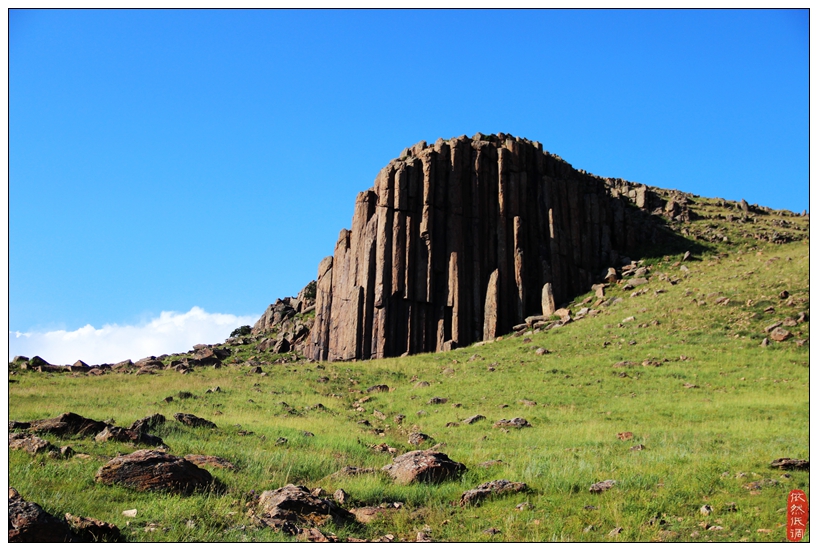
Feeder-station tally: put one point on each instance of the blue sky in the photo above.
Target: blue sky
(166, 160)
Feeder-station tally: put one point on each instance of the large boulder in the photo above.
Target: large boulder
(423, 466)
(293, 507)
(68, 424)
(29, 523)
(146, 470)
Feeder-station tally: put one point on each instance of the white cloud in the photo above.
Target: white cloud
(170, 332)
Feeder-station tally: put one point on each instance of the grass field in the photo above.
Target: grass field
(686, 376)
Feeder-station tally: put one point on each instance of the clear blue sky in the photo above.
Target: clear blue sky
(160, 160)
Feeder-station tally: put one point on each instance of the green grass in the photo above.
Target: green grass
(749, 405)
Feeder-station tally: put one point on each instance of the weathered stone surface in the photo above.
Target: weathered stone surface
(296, 506)
(495, 487)
(68, 424)
(32, 444)
(93, 530)
(192, 421)
(473, 419)
(146, 470)
(423, 466)
(29, 523)
(548, 306)
(459, 241)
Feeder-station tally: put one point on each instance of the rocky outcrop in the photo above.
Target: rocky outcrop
(288, 319)
(460, 241)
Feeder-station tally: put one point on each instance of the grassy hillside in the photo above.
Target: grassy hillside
(677, 362)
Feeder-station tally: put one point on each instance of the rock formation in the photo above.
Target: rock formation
(459, 241)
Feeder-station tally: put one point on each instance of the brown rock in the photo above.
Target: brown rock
(516, 423)
(780, 334)
(93, 530)
(495, 487)
(146, 470)
(473, 419)
(118, 434)
(423, 466)
(787, 464)
(68, 424)
(29, 523)
(295, 505)
(149, 423)
(599, 487)
(32, 444)
(418, 438)
(192, 421)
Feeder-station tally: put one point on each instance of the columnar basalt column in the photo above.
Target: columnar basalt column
(461, 240)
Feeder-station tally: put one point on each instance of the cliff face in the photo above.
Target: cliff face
(459, 241)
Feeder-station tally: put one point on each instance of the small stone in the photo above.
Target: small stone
(706, 510)
(130, 513)
(599, 487)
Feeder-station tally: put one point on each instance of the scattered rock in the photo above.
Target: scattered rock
(68, 424)
(29, 523)
(495, 487)
(779, 334)
(423, 466)
(146, 470)
(149, 423)
(489, 464)
(615, 532)
(516, 423)
(473, 419)
(787, 464)
(192, 421)
(314, 535)
(706, 510)
(492, 531)
(294, 506)
(625, 435)
(93, 530)
(541, 351)
(340, 496)
(438, 400)
(765, 342)
(599, 487)
(378, 388)
(118, 434)
(418, 438)
(637, 448)
(32, 444)
(421, 384)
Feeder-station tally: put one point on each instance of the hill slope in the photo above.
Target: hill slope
(673, 366)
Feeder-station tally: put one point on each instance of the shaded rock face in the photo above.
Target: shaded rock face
(153, 470)
(29, 523)
(424, 466)
(456, 242)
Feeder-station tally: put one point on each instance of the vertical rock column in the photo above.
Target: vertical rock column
(461, 240)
